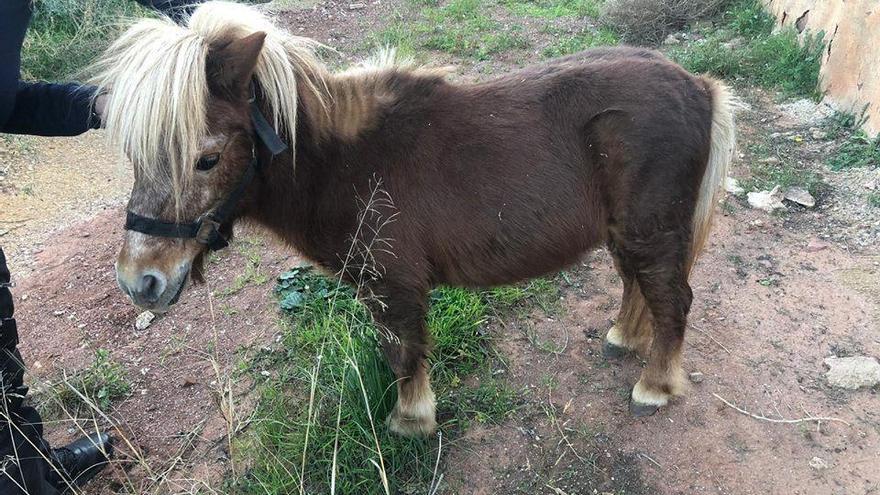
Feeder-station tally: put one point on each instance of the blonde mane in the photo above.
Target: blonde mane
(155, 78)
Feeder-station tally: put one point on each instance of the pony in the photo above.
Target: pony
(398, 179)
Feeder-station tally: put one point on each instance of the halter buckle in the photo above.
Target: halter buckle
(209, 230)
(7, 285)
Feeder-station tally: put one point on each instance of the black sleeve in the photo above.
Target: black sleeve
(47, 109)
(175, 9)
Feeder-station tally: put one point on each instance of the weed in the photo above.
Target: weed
(553, 9)
(98, 385)
(567, 44)
(759, 56)
(857, 151)
(331, 438)
(874, 199)
(252, 274)
(461, 27)
(785, 172)
(65, 36)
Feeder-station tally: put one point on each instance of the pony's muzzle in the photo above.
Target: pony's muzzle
(145, 289)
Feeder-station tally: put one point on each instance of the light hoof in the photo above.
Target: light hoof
(414, 426)
(645, 401)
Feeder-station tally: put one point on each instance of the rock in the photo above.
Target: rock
(696, 376)
(187, 382)
(871, 185)
(734, 43)
(766, 200)
(732, 186)
(818, 464)
(800, 196)
(144, 320)
(853, 372)
(356, 6)
(818, 134)
(671, 40)
(815, 245)
(770, 159)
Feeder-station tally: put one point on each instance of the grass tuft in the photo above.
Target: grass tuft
(857, 151)
(321, 412)
(747, 49)
(98, 385)
(67, 35)
(588, 38)
(554, 9)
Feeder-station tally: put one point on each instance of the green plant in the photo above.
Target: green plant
(759, 56)
(82, 392)
(552, 9)
(857, 151)
(67, 35)
(874, 199)
(567, 44)
(320, 413)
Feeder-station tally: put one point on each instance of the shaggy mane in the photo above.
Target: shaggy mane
(155, 77)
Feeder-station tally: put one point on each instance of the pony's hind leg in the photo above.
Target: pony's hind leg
(668, 295)
(400, 317)
(632, 330)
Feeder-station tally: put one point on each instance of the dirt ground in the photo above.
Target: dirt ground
(773, 296)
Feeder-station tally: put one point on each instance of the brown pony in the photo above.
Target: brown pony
(400, 180)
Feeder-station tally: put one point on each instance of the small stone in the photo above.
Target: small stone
(819, 134)
(766, 200)
(815, 245)
(871, 185)
(187, 382)
(58, 312)
(818, 464)
(852, 373)
(769, 159)
(696, 376)
(671, 40)
(800, 196)
(732, 186)
(144, 320)
(356, 6)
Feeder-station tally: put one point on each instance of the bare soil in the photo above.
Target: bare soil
(770, 303)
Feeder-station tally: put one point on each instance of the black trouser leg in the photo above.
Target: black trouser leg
(23, 453)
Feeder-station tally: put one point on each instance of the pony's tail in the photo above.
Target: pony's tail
(723, 147)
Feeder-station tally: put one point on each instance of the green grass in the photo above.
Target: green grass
(462, 27)
(320, 418)
(787, 172)
(874, 199)
(76, 395)
(777, 60)
(252, 274)
(566, 44)
(67, 35)
(857, 151)
(554, 9)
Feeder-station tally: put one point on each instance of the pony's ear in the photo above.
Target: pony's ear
(232, 66)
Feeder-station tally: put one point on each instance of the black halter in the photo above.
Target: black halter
(206, 229)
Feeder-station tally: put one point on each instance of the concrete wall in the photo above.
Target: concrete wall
(850, 73)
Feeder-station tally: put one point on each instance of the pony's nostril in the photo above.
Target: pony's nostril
(151, 288)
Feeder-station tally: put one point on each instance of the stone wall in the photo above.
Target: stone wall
(850, 74)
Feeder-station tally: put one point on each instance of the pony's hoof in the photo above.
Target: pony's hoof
(411, 426)
(642, 410)
(613, 351)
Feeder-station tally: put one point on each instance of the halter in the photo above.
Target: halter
(206, 229)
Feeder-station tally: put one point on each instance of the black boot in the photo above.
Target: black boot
(79, 462)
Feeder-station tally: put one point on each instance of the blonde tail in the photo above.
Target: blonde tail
(723, 147)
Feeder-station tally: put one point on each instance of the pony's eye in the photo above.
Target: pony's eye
(207, 162)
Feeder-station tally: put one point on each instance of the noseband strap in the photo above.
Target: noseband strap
(206, 229)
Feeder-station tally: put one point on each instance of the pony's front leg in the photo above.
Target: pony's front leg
(400, 317)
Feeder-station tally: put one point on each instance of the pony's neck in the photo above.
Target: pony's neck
(347, 103)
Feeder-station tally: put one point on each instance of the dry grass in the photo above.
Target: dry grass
(647, 22)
